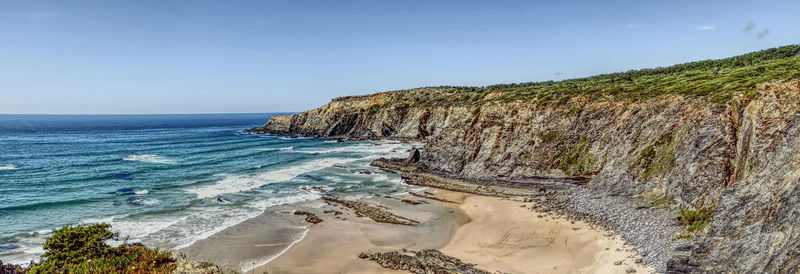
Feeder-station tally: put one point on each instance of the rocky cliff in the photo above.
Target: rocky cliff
(737, 159)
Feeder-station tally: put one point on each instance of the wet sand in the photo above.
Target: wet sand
(333, 246)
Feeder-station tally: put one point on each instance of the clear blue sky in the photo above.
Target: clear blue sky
(268, 56)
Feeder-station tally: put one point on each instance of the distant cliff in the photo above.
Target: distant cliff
(719, 136)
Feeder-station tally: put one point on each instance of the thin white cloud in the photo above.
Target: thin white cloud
(705, 27)
(634, 26)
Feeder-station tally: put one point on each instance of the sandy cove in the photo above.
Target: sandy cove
(495, 234)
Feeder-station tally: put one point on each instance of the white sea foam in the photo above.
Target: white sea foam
(141, 192)
(278, 149)
(139, 227)
(360, 196)
(147, 158)
(316, 189)
(9, 167)
(373, 148)
(323, 151)
(252, 264)
(295, 138)
(212, 221)
(107, 220)
(239, 183)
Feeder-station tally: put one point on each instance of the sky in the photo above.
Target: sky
(120, 57)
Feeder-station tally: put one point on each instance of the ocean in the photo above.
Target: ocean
(165, 180)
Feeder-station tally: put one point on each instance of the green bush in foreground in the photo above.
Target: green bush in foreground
(83, 249)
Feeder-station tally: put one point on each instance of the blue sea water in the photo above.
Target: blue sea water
(165, 180)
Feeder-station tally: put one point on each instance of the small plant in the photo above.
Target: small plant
(476, 110)
(682, 237)
(574, 158)
(550, 136)
(374, 109)
(696, 218)
(657, 159)
(654, 201)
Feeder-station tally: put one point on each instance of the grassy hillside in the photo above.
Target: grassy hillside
(714, 80)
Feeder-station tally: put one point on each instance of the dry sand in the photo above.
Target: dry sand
(496, 234)
(505, 237)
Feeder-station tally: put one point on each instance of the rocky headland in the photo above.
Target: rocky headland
(696, 165)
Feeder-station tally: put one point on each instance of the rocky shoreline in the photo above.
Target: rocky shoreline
(732, 166)
(12, 268)
(650, 230)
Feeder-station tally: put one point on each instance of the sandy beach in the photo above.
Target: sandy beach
(503, 236)
(333, 246)
(494, 233)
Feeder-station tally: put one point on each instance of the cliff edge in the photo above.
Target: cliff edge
(715, 142)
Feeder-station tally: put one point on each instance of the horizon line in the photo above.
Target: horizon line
(110, 114)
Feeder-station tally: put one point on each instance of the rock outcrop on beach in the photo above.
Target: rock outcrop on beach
(310, 217)
(184, 266)
(422, 262)
(362, 209)
(11, 268)
(736, 159)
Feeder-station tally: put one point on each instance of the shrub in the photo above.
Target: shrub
(128, 258)
(83, 249)
(71, 245)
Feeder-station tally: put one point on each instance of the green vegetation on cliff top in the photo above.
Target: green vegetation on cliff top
(714, 80)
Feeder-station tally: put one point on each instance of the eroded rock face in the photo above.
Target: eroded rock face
(382, 115)
(743, 156)
(756, 227)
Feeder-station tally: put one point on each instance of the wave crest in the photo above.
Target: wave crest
(278, 149)
(239, 183)
(9, 167)
(146, 158)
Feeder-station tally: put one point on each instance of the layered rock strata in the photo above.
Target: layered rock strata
(739, 157)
